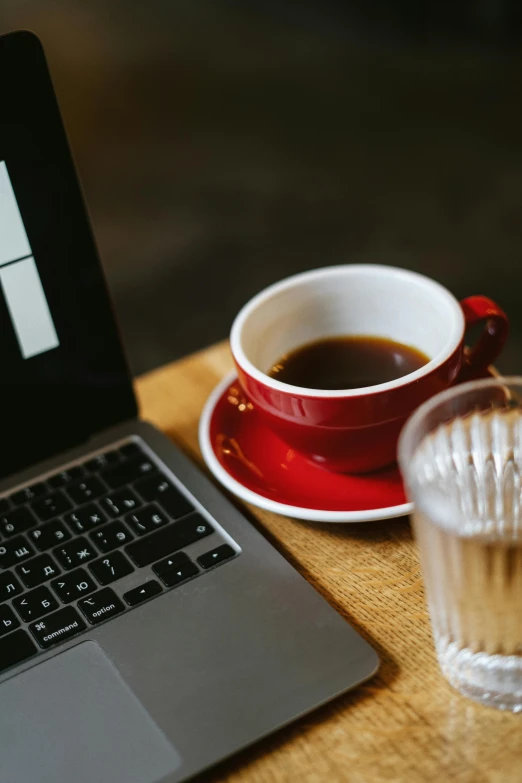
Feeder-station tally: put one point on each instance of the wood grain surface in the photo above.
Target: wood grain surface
(406, 724)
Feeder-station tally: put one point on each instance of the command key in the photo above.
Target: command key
(57, 627)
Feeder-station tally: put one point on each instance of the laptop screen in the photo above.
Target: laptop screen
(63, 375)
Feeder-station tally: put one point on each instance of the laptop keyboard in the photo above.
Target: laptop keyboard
(67, 542)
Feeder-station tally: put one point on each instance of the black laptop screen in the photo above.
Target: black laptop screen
(63, 375)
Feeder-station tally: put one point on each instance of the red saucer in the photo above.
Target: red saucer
(253, 463)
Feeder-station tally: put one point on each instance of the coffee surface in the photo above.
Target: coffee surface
(349, 362)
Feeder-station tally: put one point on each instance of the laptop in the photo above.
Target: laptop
(147, 629)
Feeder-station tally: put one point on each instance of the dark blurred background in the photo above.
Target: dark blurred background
(223, 145)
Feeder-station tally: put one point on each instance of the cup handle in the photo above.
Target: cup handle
(490, 343)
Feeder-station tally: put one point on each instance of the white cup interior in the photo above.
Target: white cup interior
(379, 301)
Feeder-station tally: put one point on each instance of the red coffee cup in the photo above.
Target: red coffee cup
(356, 430)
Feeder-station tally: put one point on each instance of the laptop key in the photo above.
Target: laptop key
(29, 493)
(66, 476)
(86, 518)
(100, 606)
(110, 568)
(176, 573)
(37, 570)
(176, 536)
(128, 471)
(215, 556)
(15, 648)
(131, 449)
(4, 505)
(51, 506)
(14, 551)
(35, 604)
(17, 521)
(111, 536)
(102, 461)
(57, 627)
(143, 592)
(88, 489)
(147, 519)
(9, 586)
(8, 620)
(120, 502)
(75, 553)
(158, 488)
(73, 585)
(51, 534)
(177, 559)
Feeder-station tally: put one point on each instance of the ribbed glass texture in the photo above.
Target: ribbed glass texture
(461, 455)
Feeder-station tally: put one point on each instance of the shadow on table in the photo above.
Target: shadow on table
(398, 528)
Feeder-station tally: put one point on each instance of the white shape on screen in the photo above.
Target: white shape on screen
(13, 239)
(21, 284)
(28, 308)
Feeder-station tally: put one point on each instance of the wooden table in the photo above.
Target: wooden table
(406, 724)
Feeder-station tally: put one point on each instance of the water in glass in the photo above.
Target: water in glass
(466, 478)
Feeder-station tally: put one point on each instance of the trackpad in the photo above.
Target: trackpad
(74, 718)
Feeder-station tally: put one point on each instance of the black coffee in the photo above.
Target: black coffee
(347, 363)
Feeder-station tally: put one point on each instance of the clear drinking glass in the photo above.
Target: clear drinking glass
(461, 458)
